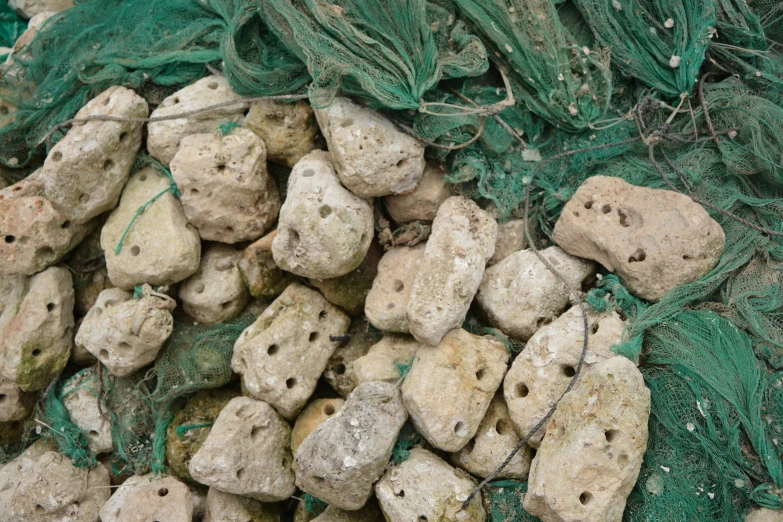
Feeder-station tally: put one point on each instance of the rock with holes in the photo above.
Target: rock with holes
(426, 488)
(340, 461)
(462, 240)
(159, 246)
(423, 202)
(164, 137)
(493, 442)
(247, 453)
(654, 239)
(520, 294)
(259, 271)
(450, 386)
(146, 497)
(369, 513)
(36, 329)
(284, 352)
(227, 193)
(349, 292)
(764, 515)
(225, 507)
(15, 404)
(80, 398)
(311, 417)
(324, 230)
(591, 455)
(370, 155)
(288, 129)
(541, 372)
(339, 371)
(511, 239)
(29, 8)
(385, 359)
(386, 306)
(124, 333)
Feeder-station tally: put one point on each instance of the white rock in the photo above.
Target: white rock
(369, 513)
(382, 362)
(288, 129)
(146, 497)
(80, 398)
(386, 305)
(421, 204)
(511, 239)
(30, 8)
(764, 515)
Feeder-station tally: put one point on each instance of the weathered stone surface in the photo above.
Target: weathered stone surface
(91, 277)
(225, 507)
(350, 291)
(161, 247)
(282, 354)
(36, 329)
(247, 453)
(30, 8)
(144, 498)
(421, 204)
(386, 306)
(519, 295)
(302, 514)
(425, 487)
(341, 460)
(764, 515)
(369, 513)
(259, 271)
(324, 231)
(591, 455)
(370, 155)
(80, 397)
(383, 360)
(511, 239)
(339, 370)
(311, 417)
(15, 404)
(654, 239)
(542, 371)
(31, 32)
(288, 129)
(79, 355)
(449, 388)
(462, 240)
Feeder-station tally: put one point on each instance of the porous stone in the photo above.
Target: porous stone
(426, 487)
(29, 8)
(591, 455)
(542, 371)
(339, 371)
(160, 247)
(288, 129)
(247, 453)
(311, 417)
(164, 137)
(15, 404)
(341, 460)
(370, 155)
(124, 333)
(386, 306)
(225, 507)
(259, 271)
(384, 359)
(227, 193)
(80, 398)
(462, 240)
(36, 329)
(369, 513)
(145, 497)
(511, 239)
(422, 203)
(449, 388)
(519, 295)
(350, 291)
(654, 239)
(764, 515)
(324, 231)
(284, 352)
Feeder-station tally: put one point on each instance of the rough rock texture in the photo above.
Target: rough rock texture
(247, 453)
(383, 360)
(79, 355)
(519, 295)
(30, 8)
(350, 291)
(80, 397)
(369, 513)
(341, 460)
(91, 277)
(592, 452)
(426, 488)
(288, 129)
(259, 271)
(15, 404)
(124, 333)
(339, 369)
(511, 238)
(764, 515)
(284, 352)
(36, 329)
(31, 32)
(462, 240)
(421, 204)
(324, 231)
(145, 498)
(654, 239)
(386, 306)
(302, 515)
(227, 193)
(370, 155)
(164, 137)
(225, 507)
(161, 247)
(311, 417)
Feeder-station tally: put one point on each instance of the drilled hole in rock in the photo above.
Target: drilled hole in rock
(104, 353)
(638, 256)
(66, 224)
(84, 198)
(313, 336)
(122, 345)
(293, 240)
(339, 369)
(307, 173)
(240, 473)
(135, 250)
(324, 211)
(57, 155)
(606, 209)
(398, 286)
(93, 433)
(273, 349)
(256, 432)
(400, 493)
(221, 167)
(3, 397)
(162, 492)
(36, 352)
(585, 498)
(143, 177)
(98, 311)
(10, 239)
(322, 314)
(226, 305)
(107, 100)
(329, 409)
(213, 85)
(568, 370)
(611, 435)
(533, 452)
(522, 389)
(624, 220)
(622, 460)
(423, 518)
(46, 253)
(480, 374)
(175, 101)
(401, 163)
(50, 307)
(290, 383)
(123, 136)
(686, 257)
(501, 427)
(39, 508)
(594, 328)
(461, 429)
(346, 123)
(108, 164)
(589, 204)
(194, 192)
(576, 214)
(199, 287)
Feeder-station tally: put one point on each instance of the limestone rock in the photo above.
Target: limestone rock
(350, 291)
(91, 277)
(764, 515)
(15, 404)
(511, 239)
(519, 295)
(370, 155)
(288, 129)
(160, 247)
(369, 513)
(591, 455)
(462, 240)
(259, 271)
(79, 355)
(386, 306)
(284, 352)
(383, 361)
(30, 8)
(144, 498)
(247, 453)
(339, 371)
(31, 32)
(341, 460)
(302, 515)
(324, 231)
(449, 388)
(421, 204)
(311, 417)
(654, 239)
(225, 507)
(80, 397)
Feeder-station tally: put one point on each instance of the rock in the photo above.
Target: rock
(247, 453)
(494, 441)
(36, 329)
(386, 306)
(259, 271)
(225, 507)
(383, 361)
(31, 32)
(341, 460)
(591, 455)
(449, 388)
(311, 417)
(303, 515)
(339, 370)
(284, 352)
(542, 371)
(511, 239)
(462, 240)
(7, 284)
(79, 355)
(227, 193)
(15, 404)
(764, 515)
(654, 239)
(29, 8)
(80, 398)
(160, 247)
(350, 291)
(369, 513)
(90, 275)
(324, 231)
(425, 487)
(164, 137)
(422, 203)
(144, 498)
(519, 295)
(288, 129)
(124, 333)
(11, 432)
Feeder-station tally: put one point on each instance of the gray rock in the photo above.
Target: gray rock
(288, 129)
(386, 305)
(145, 497)
(15, 404)
(339, 371)
(225, 507)
(259, 271)
(382, 362)
(422, 203)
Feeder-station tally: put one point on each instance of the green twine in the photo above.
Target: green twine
(407, 439)
(609, 294)
(70, 439)
(181, 430)
(405, 368)
(314, 505)
(226, 128)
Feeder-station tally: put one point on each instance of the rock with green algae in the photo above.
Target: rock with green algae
(339, 370)
(259, 271)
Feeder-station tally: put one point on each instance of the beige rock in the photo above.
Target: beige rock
(339, 370)
(30, 8)
(421, 204)
(80, 397)
(79, 355)
(225, 507)
(764, 515)
(7, 284)
(87, 296)
(302, 515)
(462, 240)
(311, 417)
(31, 32)
(387, 303)
(349, 292)
(654, 239)
(259, 271)
(91, 277)
(591, 455)
(511, 239)
(369, 513)
(145, 498)
(383, 361)
(15, 404)
(288, 129)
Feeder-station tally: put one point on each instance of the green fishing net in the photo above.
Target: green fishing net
(11, 27)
